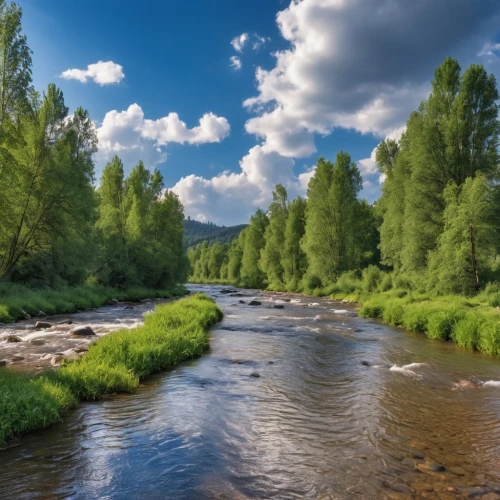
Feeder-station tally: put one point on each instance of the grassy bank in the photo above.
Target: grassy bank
(116, 363)
(471, 322)
(17, 300)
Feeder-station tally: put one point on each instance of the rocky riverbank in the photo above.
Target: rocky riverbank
(39, 343)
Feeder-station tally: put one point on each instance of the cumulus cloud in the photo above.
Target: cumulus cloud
(490, 49)
(102, 72)
(239, 42)
(259, 41)
(230, 198)
(133, 137)
(356, 65)
(235, 63)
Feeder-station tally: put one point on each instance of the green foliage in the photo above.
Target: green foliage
(251, 274)
(115, 363)
(196, 232)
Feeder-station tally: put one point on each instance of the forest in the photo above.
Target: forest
(424, 255)
(60, 226)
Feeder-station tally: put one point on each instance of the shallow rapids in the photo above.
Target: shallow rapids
(304, 401)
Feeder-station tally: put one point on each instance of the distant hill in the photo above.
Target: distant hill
(196, 232)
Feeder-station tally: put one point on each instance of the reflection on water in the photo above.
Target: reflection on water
(308, 401)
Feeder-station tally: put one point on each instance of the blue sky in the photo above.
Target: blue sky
(316, 77)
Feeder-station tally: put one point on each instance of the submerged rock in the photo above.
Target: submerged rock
(65, 322)
(255, 375)
(17, 358)
(129, 307)
(42, 324)
(241, 301)
(279, 306)
(37, 342)
(14, 338)
(254, 303)
(365, 363)
(82, 331)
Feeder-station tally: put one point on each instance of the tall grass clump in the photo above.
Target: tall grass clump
(116, 363)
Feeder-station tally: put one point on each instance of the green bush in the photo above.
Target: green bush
(415, 318)
(386, 282)
(370, 278)
(467, 331)
(393, 314)
(371, 310)
(489, 336)
(441, 324)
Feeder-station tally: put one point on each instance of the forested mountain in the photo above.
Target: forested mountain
(435, 228)
(196, 232)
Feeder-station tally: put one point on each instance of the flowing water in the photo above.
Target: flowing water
(307, 401)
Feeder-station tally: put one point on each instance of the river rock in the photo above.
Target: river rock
(14, 338)
(65, 322)
(241, 301)
(17, 358)
(254, 303)
(42, 324)
(279, 306)
(37, 342)
(227, 290)
(3, 363)
(365, 363)
(82, 331)
(466, 384)
(129, 307)
(255, 374)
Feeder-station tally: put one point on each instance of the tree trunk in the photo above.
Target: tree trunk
(474, 260)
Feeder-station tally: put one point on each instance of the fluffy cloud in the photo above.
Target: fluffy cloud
(240, 41)
(259, 41)
(230, 198)
(356, 65)
(235, 63)
(132, 137)
(102, 72)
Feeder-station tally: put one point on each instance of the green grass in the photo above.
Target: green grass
(116, 363)
(16, 300)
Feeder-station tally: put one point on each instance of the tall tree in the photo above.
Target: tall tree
(251, 273)
(275, 237)
(294, 260)
(329, 239)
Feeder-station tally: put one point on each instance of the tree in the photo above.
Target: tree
(275, 237)
(251, 273)
(294, 260)
(330, 226)
(467, 244)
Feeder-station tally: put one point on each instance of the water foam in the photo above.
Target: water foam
(407, 369)
(492, 383)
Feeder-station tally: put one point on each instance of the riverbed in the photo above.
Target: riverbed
(305, 400)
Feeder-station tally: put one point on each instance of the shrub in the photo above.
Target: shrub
(466, 332)
(385, 282)
(489, 336)
(440, 324)
(393, 314)
(415, 318)
(371, 310)
(370, 278)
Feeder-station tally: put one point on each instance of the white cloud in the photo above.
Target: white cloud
(490, 49)
(259, 41)
(102, 72)
(235, 62)
(132, 137)
(240, 41)
(356, 65)
(232, 197)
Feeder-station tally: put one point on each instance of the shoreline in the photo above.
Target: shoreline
(116, 363)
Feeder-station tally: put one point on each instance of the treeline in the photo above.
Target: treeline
(435, 227)
(56, 228)
(196, 232)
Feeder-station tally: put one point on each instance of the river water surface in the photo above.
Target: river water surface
(307, 401)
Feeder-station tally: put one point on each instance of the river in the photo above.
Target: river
(305, 401)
